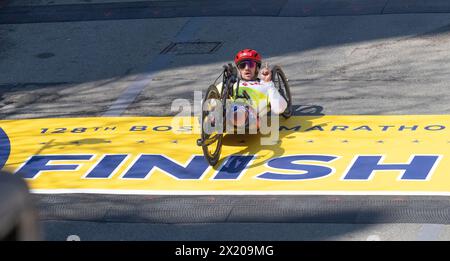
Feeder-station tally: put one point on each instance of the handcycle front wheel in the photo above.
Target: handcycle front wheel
(282, 85)
(212, 133)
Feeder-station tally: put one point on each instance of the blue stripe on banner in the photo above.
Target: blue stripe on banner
(5, 148)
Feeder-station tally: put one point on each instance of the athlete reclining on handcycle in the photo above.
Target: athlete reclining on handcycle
(255, 96)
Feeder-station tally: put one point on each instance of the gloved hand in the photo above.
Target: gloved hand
(266, 74)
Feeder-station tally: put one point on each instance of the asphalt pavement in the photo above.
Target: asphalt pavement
(107, 58)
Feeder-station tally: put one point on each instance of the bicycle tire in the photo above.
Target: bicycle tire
(282, 85)
(211, 156)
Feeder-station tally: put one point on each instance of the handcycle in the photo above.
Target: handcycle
(211, 138)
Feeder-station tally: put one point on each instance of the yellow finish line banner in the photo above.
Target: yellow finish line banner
(368, 155)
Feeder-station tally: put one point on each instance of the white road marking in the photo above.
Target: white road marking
(73, 238)
(161, 62)
(231, 192)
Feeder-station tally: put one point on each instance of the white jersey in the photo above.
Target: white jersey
(262, 95)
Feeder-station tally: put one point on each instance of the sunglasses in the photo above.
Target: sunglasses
(250, 64)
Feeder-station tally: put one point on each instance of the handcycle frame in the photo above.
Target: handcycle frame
(229, 78)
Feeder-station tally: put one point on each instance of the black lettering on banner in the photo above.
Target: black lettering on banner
(317, 127)
(59, 130)
(296, 128)
(162, 128)
(363, 127)
(339, 127)
(73, 130)
(433, 127)
(403, 127)
(138, 128)
(78, 130)
(386, 127)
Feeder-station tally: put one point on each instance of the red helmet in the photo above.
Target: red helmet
(247, 54)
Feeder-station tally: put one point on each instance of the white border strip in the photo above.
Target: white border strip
(237, 192)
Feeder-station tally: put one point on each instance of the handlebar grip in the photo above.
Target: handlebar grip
(234, 70)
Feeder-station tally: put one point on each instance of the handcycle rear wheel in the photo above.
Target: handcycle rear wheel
(211, 142)
(282, 85)
(212, 119)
